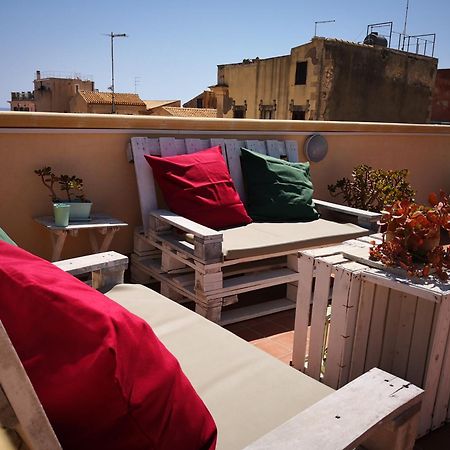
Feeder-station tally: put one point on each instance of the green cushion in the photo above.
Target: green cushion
(277, 190)
(6, 238)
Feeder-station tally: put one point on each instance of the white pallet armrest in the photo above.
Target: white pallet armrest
(376, 403)
(363, 215)
(189, 226)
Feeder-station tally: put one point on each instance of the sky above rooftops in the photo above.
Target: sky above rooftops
(174, 46)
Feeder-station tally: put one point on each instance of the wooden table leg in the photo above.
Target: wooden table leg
(108, 233)
(58, 238)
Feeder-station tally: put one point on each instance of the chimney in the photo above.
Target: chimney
(38, 74)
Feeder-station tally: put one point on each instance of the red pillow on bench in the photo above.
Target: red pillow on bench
(104, 378)
(199, 187)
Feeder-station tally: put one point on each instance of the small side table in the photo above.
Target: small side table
(101, 224)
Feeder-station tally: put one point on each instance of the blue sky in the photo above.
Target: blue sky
(174, 46)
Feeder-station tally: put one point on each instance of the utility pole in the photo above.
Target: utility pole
(321, 21)
(404, 27)
(112, 36)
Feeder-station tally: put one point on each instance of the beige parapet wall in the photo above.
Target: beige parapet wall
(93, 147)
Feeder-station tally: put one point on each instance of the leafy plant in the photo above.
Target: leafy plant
(71, 185)
(411, 234)
(373, 189)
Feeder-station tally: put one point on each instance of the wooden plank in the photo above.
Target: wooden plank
(195, 145)
(276, 149)
(350, 326)
(256, 146)
(435, 362)
(362, 329)
(171, 146)
(441, 407)
(337, 337)
(292, 151)
(376, 332)
(404, 334)
(318, 318)
(306, 269)
(34, 426)
(346, 418)
(233, 158)
(391, 329)
(422, 332)
(368, 216)
(144, 176)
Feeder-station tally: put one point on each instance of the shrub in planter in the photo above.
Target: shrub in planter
(373, 189)
(411, 237)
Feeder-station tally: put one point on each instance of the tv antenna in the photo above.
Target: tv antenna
(321, 21)
(137, 80)
(113, 36)
(404, 27)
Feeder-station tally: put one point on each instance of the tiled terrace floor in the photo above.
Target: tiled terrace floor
(274, 334)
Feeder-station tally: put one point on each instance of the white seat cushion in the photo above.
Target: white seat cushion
(247, 391)
(258, 239)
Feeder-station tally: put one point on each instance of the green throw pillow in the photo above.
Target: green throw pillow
(277, 190)
(6, 238)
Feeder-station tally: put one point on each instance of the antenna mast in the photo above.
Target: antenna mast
(404, 27)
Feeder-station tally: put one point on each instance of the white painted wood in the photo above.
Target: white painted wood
(391, 330)
(276, 149)
(299, 350)
(362, 329)
(421, 337)
(376, 332)
(195, 145)
(346, 418)
(144, 176)
(366, 215)
(171, 146)
(33, 427)
(256, 146)
(435, 362)
(233, 158)
(443, 393)
(292, 151)
(404, 334)
(318, 318)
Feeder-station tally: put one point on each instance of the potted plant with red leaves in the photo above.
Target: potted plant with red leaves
(411, 237)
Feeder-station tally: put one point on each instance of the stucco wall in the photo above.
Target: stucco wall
(94, 148)
(367, 83)
(441, 97)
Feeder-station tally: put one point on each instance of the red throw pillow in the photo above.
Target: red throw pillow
(104, 378)
(198, 186)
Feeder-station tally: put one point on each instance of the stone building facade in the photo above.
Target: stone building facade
(328, 79)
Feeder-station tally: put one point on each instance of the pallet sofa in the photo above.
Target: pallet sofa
(256, 401)
(213, 268)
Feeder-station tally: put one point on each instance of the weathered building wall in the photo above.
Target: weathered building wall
(375, 84)
(440, 110)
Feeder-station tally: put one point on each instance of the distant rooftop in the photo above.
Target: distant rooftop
(105, 98)
(190, 112)
(64, 75)
(150, 104)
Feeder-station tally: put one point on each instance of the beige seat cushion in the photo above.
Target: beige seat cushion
(247, 391)
(258, 239)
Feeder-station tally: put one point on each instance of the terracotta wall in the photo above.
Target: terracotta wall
(94, 148)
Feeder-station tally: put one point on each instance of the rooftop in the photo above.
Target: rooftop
(105, 98)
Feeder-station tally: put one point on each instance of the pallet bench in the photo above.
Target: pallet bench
(363, 316)
(210, 267)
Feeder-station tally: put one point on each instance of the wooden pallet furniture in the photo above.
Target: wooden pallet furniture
(213, 268)
(259, 403)
(365, 316)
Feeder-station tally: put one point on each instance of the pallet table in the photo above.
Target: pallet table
(363, 317)
(102, 224)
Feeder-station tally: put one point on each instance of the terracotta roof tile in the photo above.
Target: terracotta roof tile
(190, 112)
(151, 104)
(105, 98)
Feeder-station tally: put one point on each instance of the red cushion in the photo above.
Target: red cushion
(198, 186)
(104, 378)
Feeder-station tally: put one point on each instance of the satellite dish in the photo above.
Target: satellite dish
(315, 148)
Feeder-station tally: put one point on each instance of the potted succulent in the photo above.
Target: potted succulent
(411, 237)
(72, 188)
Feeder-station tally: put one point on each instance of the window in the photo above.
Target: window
(267, 111)
(298, 115)
(300, 72)
(239, 114)
(199, 103)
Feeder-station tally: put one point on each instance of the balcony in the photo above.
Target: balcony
(94, 147)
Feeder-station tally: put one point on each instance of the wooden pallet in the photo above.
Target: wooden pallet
(375, 318)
